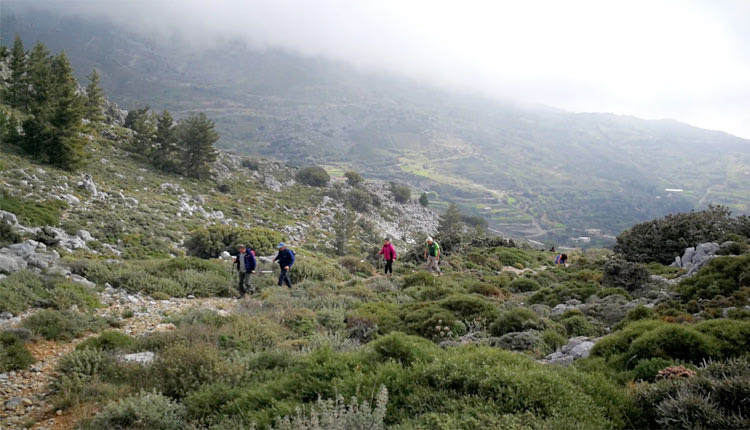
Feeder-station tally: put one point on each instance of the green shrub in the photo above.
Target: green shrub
(33, 212)
(430, 320)
(68, 294)
(516, 320)
(524, 284)
(419, 278)
(301, 321)
(19, 291)
(401, 193)
(674, 342)
(647, 369)
(569, 290)
(385, 315)
(355, 266)
(180, 369)
(353, 178)
(663, 239)
(721, 276)
(62, 325)
(13, 353)
(108, 340)
(404, 349)
(715, 398)
(489, 290)
(204, 284)
(733, 336)
(314, 176)
(305, 269)
(578, 325)
(625, 274)
(211, 241)
(144, 411)
(469, 308)
(360, 200)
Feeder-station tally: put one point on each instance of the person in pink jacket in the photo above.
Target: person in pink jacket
(389, 253)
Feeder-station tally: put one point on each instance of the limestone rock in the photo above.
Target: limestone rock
(140, 357)
(577, 348)
(85, 235)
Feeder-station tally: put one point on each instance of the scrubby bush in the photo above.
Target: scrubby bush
(314, 176)
(385, 315)
(419, 278)
(62, 325)
(733, 336)
(250, 164)
(356, 266)
(721, 276)
(625, 274)
(144, 411)
(401, 193)
(430, 320)
(20, 290)
(578, 325)
(68, 294)
(663, 239)
(353, 178)
(211, 241)
(516, 320)
(404, 349)
(524, 284)
(180, 369)
(13, 353)
(108, 340)
(359, 199)
(315, 270)
(470, 308)
(715, 398)
(338, 415)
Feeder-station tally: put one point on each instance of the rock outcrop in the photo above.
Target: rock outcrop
(577, 348)
(696, 257)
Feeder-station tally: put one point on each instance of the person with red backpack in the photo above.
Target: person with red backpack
(245, 266)
(389, 254)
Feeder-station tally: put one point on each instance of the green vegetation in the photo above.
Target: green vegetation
(211, 241)
(13, 353)
(33, 213)
(63, 325)
(315, 176)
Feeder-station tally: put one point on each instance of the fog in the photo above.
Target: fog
(686, 60)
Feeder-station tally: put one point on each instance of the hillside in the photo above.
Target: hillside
(531, 171)
(109, 318)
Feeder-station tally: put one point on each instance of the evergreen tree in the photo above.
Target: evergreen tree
(145, 132)
(39, 78)
(450, 227)
(196, 137)
(94, 98)
(165, 143)
(343, 225)
(68, 143)
(15, 93)
(424, 200)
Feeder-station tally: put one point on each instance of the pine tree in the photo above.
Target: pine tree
(15, 93)
(165, 143)
(450, 227)
(94, 98)
(39, 78)
(424, 200)
(196, 137)
(68, 143)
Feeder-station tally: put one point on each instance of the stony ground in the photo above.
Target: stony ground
(24, 395)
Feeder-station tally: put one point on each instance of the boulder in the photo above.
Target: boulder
(575, 349)
(10, 262)
(140, 357)
(85, 235)
(81, 280)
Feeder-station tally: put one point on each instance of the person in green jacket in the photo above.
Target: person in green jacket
(432, 254)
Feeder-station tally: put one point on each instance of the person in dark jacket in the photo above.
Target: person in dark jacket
(245, 266)
(389, 254)
(285, 257)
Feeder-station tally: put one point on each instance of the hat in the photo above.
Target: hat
(241, 246)
(429, 238)
(281, 245)
(388, 239)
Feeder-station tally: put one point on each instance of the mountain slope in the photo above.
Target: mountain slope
(529, 170)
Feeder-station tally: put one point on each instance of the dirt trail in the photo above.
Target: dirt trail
(31, 386)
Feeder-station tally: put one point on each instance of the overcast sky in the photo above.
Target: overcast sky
(682, 59)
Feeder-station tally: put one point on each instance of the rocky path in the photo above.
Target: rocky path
(25, 396)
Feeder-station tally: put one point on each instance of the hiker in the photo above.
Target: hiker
(432, 254)
(561, 259)
(552, 249)
(245, 266)
(285, 257)
(389, 254)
